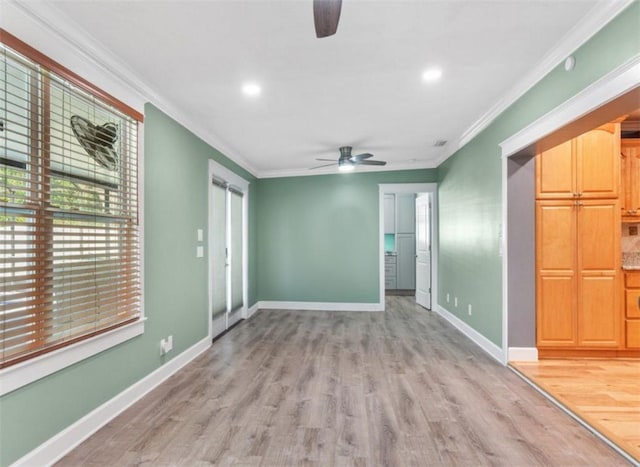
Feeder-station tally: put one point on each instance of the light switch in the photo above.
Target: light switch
(200, 237)
(199, 252)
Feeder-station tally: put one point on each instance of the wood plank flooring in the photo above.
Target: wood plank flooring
(603, 393)
(323, 388)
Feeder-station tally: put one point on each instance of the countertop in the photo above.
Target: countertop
(631, 261)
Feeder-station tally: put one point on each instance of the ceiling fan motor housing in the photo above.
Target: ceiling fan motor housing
(345, 152)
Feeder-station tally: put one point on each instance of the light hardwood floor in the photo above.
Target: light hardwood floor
(344, 388)
(603, 393)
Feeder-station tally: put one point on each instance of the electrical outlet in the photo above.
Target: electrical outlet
(469, 309)
(455, 301)
(166, 345)
(447, 298)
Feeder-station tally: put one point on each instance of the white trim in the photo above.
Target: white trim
(611, 86)
(77, 41)
(21, 374)
(523, 354)
(485, 344)
(599, 16)
(319, 306)
(431, 188)
(59, 445)
(252, 309)
(614, 84)
(219, 171)
(503, 245)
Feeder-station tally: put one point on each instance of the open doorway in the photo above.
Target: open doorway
(408, 241)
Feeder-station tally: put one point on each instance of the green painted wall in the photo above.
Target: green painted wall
(318, 235)
(175, 285)
(470, 181)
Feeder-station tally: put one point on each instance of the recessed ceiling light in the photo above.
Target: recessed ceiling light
(431, 75)
(251, 89)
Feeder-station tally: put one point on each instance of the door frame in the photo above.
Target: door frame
(621, 81)
(388, 188)
(219, 171)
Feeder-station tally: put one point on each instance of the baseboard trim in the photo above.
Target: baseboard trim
(523, 354)
(485, 344)
(320, 306)
(252, 309)
(61, 444)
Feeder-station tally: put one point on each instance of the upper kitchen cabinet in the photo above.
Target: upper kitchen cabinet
(406, 213)
(587, 166)
(630, 164)
(389, 213)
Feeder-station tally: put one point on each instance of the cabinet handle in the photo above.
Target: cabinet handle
(638, 301)
(575, 195)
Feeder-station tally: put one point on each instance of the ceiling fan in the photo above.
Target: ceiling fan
(326, 14)
(348, 162)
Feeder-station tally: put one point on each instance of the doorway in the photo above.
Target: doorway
(228, 208)
(408, 241)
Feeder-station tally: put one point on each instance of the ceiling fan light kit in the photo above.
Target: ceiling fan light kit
(346, 165)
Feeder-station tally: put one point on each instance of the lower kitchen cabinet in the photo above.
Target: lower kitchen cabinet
(632, 309)
(390, 272)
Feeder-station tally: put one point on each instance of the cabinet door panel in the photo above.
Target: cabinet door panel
(406, 213)
(599, 235)
(556, 318)
(632, 302)
(630, 150)
(633, 333)
(598, 314)
(555, 236)
(598, 162)
(406, 275)
(389, 214)
(555, 172)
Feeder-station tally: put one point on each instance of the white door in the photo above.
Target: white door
(423, 250)
(227, 258)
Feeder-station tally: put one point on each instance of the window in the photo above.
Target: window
(69, 254)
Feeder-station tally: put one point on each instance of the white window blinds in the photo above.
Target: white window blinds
(69, 256)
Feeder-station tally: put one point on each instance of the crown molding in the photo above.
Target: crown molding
(597, 18)
(54, 22)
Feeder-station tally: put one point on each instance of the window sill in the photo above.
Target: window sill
(21, 374)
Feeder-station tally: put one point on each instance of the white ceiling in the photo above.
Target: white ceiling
(361, 87)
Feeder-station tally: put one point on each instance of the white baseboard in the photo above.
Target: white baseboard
(523, 354)
(252, 309)
(320, 306)
(61, 444)
(485, 344)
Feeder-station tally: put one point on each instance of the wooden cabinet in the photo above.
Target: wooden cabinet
(630, 179)
(578, 259)
(585, 167)
(556, 273)
(632, 309)
(578, 251)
